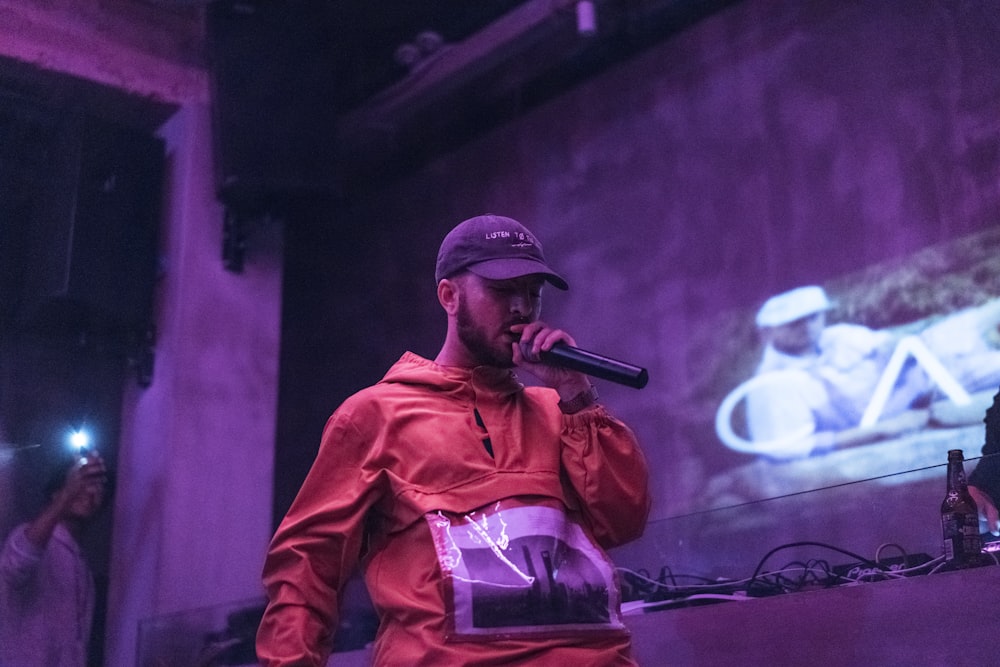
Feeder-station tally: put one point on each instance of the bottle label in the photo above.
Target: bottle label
(949, 550)
(961, 536)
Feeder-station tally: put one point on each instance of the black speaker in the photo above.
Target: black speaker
(90, 238)
(272, 99)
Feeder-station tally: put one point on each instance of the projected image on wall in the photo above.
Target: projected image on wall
(877, 372)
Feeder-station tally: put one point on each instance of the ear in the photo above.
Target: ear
(448, 295)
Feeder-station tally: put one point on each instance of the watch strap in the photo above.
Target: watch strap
(584, 399)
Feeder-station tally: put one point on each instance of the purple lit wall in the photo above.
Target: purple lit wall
(190, 516)
(191, 508)
(771, 145)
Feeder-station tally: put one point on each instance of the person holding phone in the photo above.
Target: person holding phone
(47, 593)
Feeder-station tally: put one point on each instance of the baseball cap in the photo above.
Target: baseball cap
(494, 247)
(792, 305)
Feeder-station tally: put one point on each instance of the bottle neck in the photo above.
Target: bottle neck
(956, 477)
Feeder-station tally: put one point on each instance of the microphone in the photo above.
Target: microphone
(597, 365)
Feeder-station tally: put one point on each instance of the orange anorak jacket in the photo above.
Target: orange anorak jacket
(404, 477)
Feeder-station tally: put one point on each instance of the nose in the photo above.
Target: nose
(521, 303)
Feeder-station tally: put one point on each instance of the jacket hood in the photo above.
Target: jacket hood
(413, 369)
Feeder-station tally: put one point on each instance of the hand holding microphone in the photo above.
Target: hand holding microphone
(564, 354)
(596, 365)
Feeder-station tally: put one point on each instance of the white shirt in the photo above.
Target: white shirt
(46, 602)
(824, 391)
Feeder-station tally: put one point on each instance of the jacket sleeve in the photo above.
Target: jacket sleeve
(315, 550)
(607, 470)
(986, 474)
(19, 558)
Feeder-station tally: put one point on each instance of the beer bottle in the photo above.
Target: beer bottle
(960, 518)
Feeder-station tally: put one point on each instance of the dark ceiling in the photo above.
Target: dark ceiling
(493, 59)
(312, 97)
(367, 33)
(334, 63)
(361, 37)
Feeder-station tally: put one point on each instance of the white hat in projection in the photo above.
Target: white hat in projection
(792, 305)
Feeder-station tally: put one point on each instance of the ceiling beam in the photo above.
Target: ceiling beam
(531, 53)
(451, 81)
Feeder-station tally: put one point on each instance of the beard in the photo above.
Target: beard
(482, 348)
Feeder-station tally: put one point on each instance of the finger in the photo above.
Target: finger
(527, 351)
(528, 330)
(518, 357)
(92, 470)
(93, 478)
(546, 339)
(528, 342)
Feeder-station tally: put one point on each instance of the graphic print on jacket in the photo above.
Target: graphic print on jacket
(520, 570)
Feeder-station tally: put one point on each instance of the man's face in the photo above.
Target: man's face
(800, 336)
(88, 501)
(486, 311)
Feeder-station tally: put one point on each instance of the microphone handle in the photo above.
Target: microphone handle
(596, 365)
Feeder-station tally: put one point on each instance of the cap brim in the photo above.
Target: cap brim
(777, 320)
(505, 269)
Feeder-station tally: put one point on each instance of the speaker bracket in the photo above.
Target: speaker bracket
(234, 241)
(142, 355)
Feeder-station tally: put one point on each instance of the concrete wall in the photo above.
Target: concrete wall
(192, 502)
(125, 46)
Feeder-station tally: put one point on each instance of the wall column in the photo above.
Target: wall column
(192, 511)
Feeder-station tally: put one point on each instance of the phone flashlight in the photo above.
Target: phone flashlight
(80, 440)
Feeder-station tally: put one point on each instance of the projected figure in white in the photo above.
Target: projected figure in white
(821, 387)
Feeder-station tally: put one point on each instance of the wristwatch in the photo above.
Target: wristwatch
(584, 399)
